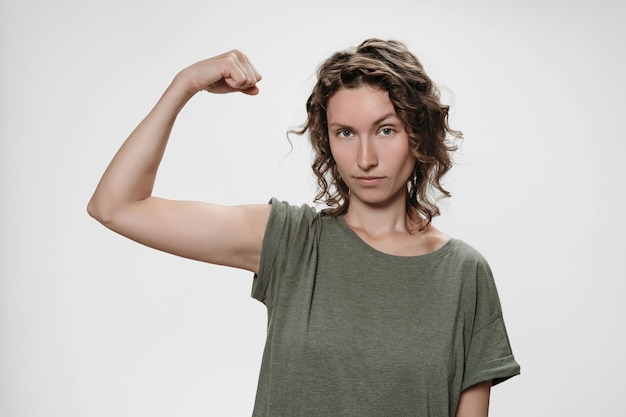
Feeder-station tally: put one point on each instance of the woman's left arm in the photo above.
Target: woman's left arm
(474, 401)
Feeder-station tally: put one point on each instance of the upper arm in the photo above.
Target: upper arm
(230, 236)
(474, 401)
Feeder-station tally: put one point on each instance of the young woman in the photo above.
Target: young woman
(372, 310)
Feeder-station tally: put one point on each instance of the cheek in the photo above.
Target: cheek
(409, 169)
(340, 166)
(337, 155)
(408, 163)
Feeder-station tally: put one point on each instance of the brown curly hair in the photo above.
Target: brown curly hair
(391, 66)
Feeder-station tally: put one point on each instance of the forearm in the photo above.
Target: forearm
(130, 176)
(474, 401)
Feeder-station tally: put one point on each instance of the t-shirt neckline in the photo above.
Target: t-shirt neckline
(352, 235)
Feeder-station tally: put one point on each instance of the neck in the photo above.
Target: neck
(379, 220)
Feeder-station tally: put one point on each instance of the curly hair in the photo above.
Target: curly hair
(388, 65)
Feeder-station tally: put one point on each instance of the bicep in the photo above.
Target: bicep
(474, 401)
(230, 236)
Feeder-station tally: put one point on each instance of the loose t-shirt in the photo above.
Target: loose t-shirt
(353, 331)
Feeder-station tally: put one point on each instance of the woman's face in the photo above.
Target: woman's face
(370, 145)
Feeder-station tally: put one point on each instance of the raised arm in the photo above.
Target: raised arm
(123, 200)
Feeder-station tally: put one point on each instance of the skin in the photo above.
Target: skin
(371, 148)
(123, 200)
(368, 142)
(474, 401)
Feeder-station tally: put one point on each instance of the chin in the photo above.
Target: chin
(378, 198)
(377, 201)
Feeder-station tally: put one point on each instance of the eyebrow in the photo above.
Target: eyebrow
(376, 122)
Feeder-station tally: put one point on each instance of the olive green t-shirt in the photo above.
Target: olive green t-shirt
(356, 332)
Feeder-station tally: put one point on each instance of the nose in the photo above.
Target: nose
(367, 157)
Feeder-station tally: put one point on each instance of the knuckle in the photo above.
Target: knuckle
(235, 54)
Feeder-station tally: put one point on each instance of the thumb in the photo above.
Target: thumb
(252, 91)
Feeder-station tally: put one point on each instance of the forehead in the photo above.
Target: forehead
(359, 103)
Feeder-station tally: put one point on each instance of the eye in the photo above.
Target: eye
(386, 131)
(344, 133)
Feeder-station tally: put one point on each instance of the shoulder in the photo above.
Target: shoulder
(289, 221)
(466, 251)
(478, 273)
(283, 211)
(459, 249)
(284, 206)
(431, 240)
(468, 262)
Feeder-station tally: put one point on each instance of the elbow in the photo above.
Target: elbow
(96, 210)
(110, 212)
(92, 209)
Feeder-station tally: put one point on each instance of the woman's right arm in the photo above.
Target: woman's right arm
(123, 199)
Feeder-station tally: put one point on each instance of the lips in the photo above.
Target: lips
(369, 181)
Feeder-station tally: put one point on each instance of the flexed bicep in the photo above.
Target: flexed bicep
(230, 236)
(123, 199)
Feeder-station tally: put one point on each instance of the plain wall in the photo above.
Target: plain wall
(92, 324)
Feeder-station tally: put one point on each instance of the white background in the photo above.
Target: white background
(94, 325)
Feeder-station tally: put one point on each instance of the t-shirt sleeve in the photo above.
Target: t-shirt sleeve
(489, 356)
(286, 241)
